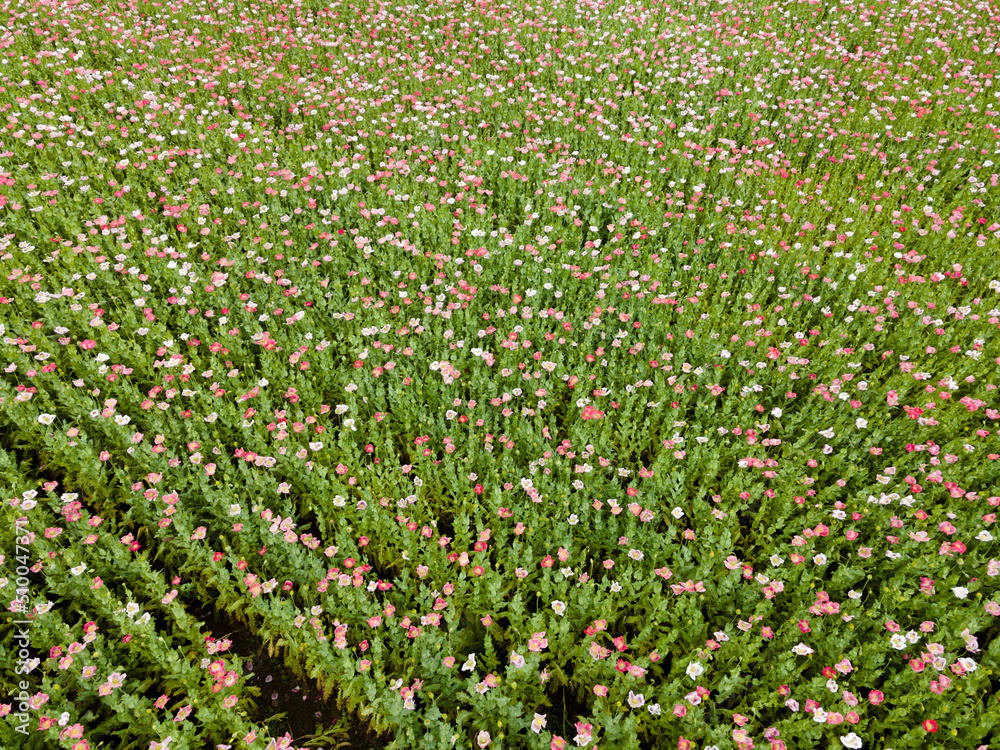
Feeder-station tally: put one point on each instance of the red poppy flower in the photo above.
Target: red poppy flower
(930, 725)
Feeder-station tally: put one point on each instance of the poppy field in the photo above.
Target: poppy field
(499, 375)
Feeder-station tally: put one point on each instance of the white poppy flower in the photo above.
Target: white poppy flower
(852, 741)
(694, 669)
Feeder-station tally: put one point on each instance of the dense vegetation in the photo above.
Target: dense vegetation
(499, 375)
